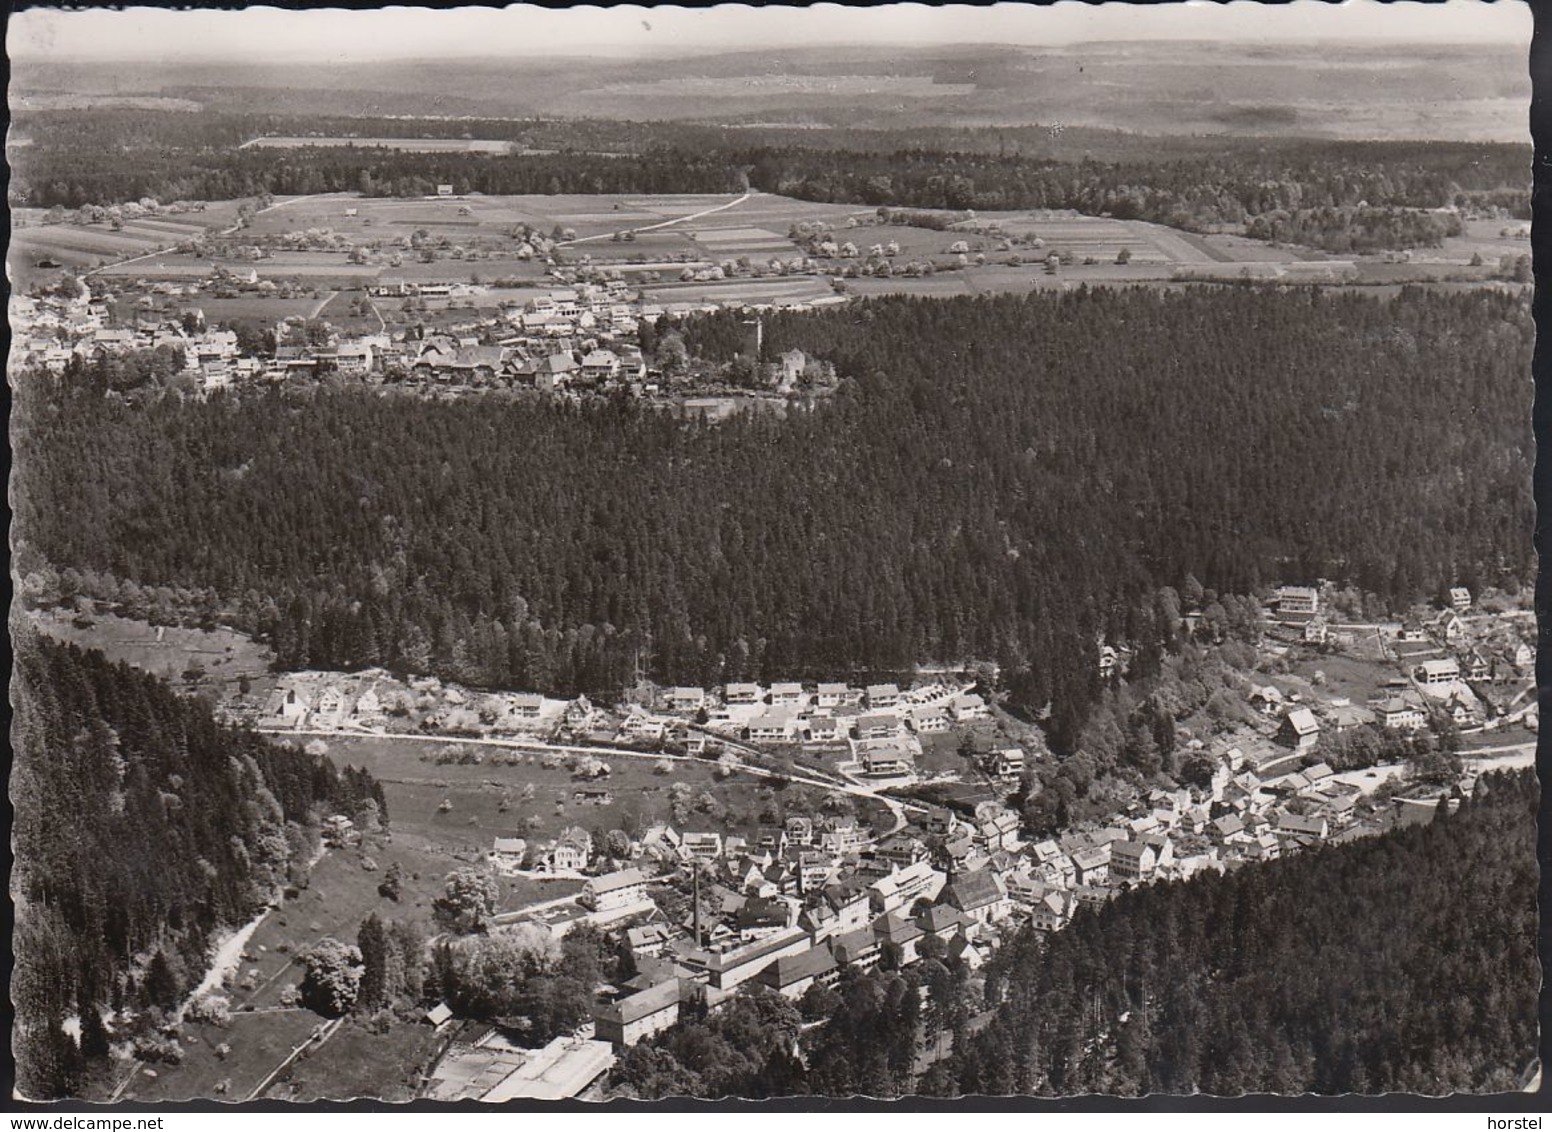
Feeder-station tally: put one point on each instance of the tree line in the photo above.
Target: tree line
(1364, 187)
(142, 827)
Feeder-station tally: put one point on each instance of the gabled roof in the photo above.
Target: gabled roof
(939, 918)
(790, 969)
(891, 928)
(1297, 823)
(1228, 825)
(1303, 721)
(643, 1004)
(856, 943)
(975, 890)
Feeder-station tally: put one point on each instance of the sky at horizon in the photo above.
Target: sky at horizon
(261, 34)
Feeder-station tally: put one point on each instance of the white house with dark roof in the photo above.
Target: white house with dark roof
(787, 694)
(639, 1016)
(835, 695)
(877, 725)
(685, 699)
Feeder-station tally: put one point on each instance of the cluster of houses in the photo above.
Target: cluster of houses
(1449, 667)
(880, 725)
(47, 331)
(575, 340)
(786, 910)
(878, 729)
(788, 906)
(375, 699)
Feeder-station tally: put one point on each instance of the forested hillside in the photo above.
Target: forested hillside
(1406, 963)
(999, 478)
(141, 827)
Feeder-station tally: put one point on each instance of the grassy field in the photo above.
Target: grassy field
(417, 787)
(88, 245)
(258, 308)
(407, 145)
(1357, 680)
(225, 654)
(259, 1042)
(359, 1063)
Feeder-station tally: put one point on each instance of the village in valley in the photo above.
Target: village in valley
(885, 826)
(748, 834)
(769, 560)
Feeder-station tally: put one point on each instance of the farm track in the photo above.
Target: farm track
(227, 231)
(663, 224)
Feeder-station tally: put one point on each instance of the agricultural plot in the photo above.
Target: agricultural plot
(258, 1043)
(259, 308)
(789, 290)
(406, 145)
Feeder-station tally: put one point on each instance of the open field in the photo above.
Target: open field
(794, 289)
(1343, 676)
(73, 245)
(225, 654)
(407, 145)
(257, 308)
(358, 1063)
(417, 787)
(258, 1042)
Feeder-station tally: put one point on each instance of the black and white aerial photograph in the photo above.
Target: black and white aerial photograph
(662, 554)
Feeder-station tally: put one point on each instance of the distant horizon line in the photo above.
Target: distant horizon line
(626, 51)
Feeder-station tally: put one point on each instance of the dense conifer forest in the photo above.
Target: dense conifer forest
(1005, 479)
(1406, 963)
(141, 827)
(1402, 963)
(1310, 185)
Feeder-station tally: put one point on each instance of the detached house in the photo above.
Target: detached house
(882, 696)
(685, 699)
(1299, 730)
(1400, 715)
(877, 726)
(835, 695)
